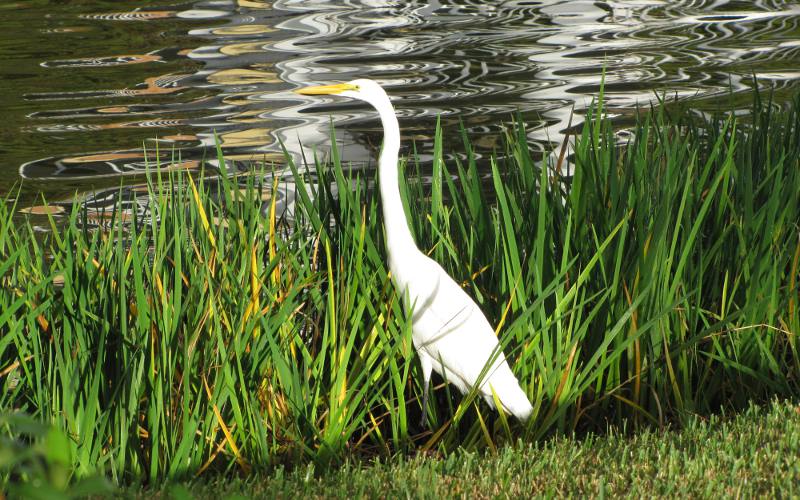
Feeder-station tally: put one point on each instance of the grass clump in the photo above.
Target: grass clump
(657, 282)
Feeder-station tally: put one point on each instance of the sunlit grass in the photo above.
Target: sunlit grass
(753, 454)
(658, 282)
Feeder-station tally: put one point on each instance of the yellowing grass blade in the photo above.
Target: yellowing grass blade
(255, 288)
(507, 308)
(436, 436)
(563, 382)
(228, 436)
(276, 274)
(500, 412)
(486, 434)
(202, 212)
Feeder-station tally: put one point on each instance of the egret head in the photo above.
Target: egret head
(362, 89)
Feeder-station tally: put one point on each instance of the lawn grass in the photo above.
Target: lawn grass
(750, 454)
(220, 337)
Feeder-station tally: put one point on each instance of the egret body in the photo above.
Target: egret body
(450, 333)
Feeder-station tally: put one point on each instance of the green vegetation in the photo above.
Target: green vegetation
(657, 283)
(754, 454)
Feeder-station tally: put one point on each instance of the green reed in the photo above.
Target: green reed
(656, 282)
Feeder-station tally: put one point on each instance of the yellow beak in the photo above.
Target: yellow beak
(327, 89)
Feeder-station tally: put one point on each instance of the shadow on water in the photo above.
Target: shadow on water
(90, 89)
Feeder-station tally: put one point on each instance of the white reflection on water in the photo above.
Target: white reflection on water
(471, 61)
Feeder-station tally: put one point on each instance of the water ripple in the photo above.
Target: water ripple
(223, 71)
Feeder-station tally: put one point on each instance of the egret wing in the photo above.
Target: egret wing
(452, 329)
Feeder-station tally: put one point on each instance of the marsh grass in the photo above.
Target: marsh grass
(657, 282)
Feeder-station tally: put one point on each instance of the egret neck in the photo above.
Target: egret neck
(398, 235)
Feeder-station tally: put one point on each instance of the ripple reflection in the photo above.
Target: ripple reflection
(225, 71)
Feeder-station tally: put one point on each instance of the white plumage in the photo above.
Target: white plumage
(450, 333)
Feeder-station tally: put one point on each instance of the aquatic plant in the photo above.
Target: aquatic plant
(657, 282)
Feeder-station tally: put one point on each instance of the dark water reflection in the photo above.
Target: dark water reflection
(86, 85)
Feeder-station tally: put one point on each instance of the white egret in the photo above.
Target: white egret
(449, 331)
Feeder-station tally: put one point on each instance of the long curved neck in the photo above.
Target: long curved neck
(398, 236)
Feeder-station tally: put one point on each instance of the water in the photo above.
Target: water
(87, 86)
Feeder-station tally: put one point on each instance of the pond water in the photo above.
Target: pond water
(89, 88)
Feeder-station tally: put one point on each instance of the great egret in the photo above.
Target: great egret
(450, 333)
